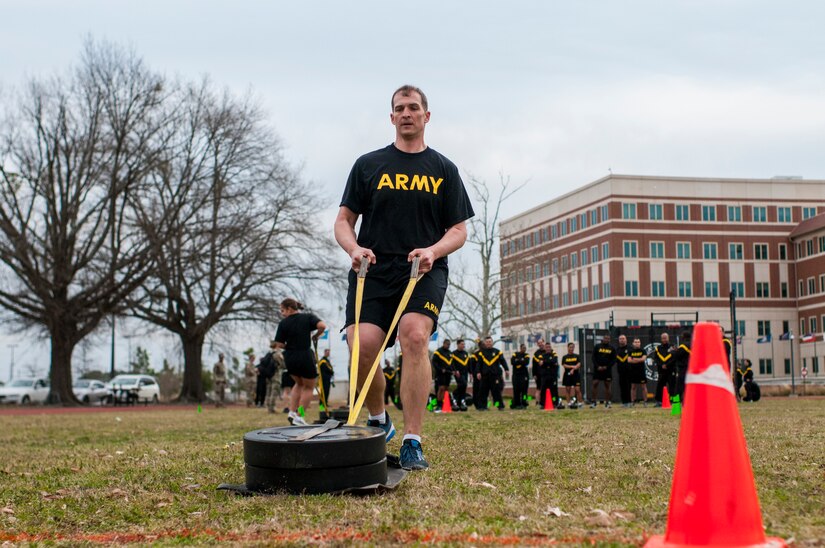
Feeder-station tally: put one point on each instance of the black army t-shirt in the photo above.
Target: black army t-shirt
(295, 331)
(406, 200)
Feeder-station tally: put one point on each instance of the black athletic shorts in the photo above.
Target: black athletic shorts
(606, 375)
(301, 363)
(637, 375)
(443, 379)
(571, 379)
(384, 286)
(286, 379)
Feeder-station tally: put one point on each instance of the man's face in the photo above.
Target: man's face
(570, 348)
(446, 345)
(408, 115)
(665, 338)
(622, 340)
(488, 342)
(637, 343)
(460, 346)
(523, 348)
(326, 353)
(606, 339)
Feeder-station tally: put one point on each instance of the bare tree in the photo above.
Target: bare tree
(473, 300)
(73, 151)
(230, 224)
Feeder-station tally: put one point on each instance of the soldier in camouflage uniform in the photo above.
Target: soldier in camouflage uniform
(273, 383)
(250, 379)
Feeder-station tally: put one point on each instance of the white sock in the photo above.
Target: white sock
(380, 418)
(411, 437)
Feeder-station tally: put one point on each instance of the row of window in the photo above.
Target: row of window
(811, 247)
(685, 289)
(566, 262)
(710, 251)
(811, 286)
(681, 212)
(547, 303)
(575, 223)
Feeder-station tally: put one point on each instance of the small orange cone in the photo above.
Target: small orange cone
(713, 499)
(665, 399)
(548, 401)
(447, 407)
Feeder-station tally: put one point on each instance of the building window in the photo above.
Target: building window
(585, 294)
(583, 221)
(822, 283)
(802, 325)
(595, 292)
(765, 366)
(594, 254)
(564, 301)
(709, 250)
(574, 224)
(657, 288)
(563, 228)
(736, 252)
(738, 288)
(574, 260)
(711, 289)
(654, 212)
(682, 212)
(631, 288)
(708, 213)
(763, 290)
(628, 211)
(555, 266)
(553, 232)
(685, 289)
(564, 263)
(594, 217)
(632, 323)
(657, 250)
(630, 249)
(760, 214)
(783, 289)
(760, 252)
(734, 214)
(783, 214)
(809, 248)
(783, 252)
(801, 288)
(808, 212)
(605, 213)
(763, 328)
(811, 286)
(575, 296)
(584, 257)
(555, 302)
(606, 290)
(740, 328)
(683, 250)
(812, 321)
(605, 251)
(821, 244)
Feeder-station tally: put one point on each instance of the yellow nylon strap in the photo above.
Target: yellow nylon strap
(356, 338)
(405, 298)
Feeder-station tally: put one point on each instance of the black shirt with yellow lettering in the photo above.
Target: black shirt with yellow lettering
(406, 200)
(520, 360)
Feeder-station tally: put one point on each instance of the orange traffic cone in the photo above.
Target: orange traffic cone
(548, 401)
(713, 498)
(665, 399)
(447, 407)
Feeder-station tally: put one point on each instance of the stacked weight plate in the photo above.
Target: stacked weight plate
(344, 458)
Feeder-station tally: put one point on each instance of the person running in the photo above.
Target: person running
(636, 359)
(571, 379)
(295, 332)
(412, 204)
(520, 360)
(604, 356)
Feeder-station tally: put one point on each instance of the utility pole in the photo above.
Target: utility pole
(11, 369)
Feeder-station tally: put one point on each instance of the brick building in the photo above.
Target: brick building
(637, 250)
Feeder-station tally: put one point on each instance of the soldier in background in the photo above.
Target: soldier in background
(636, 359)
(327, 373)
(664, 367)
(571, 379)
(442, 363)
(521, 377)
(490, 362)
(219, 379)
(461, 370)
(389, 387)
(604, 356)
(250, 380)
(546, 361)
(625, 371)
(273, 382)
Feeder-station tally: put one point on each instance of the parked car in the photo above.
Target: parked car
(90, 390)
(25, 391)
(133, 389)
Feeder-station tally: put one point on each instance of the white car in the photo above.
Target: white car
(133, 389)
(25, 391)
(90, 390)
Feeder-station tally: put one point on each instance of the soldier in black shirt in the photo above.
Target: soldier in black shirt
(604, 356)
(412, 203)
(681, 358)
(636, 359)
(546, 362)
(571, 379)
(443, 367)
(461, 371)
(327, 372)
(490, 362)
(664, 368)
(520, 360)
(624, 370)
(389, 380)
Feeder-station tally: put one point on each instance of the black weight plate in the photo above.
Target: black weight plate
(339, 448)
(316, 480)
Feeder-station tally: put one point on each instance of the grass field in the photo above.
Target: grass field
(521, 478)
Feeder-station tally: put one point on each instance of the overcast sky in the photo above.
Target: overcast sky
(554, 93)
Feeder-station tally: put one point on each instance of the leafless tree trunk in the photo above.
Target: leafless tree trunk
(230, 225)
(473, 300)
(74, 150)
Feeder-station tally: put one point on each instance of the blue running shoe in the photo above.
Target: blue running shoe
(387, 427)
(412, 456)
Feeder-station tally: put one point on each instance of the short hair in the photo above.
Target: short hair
(446, 340)
(459, 341)
(405, 91)
(292, 304)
